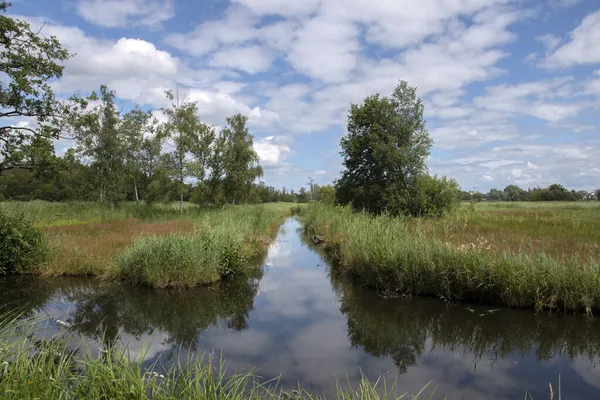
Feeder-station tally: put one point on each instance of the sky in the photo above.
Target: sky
(511, 87)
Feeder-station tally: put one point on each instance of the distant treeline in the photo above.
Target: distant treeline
(76, 184)
(554, 192)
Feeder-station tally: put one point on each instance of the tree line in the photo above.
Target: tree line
(554, 192)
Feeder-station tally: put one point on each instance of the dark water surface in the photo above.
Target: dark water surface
(295, 319)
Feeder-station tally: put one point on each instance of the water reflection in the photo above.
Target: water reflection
(298, 321)
(107, 311)
(404, 328)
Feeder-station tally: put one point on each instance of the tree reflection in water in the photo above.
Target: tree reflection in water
(406, 328)
(102, 311)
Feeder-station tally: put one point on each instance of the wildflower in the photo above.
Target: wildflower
(30, 382)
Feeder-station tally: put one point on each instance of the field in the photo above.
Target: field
(533, 255)
(155, 246)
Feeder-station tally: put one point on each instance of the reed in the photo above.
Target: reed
(420, 257)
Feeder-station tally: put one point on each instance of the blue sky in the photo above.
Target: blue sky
(511, 87)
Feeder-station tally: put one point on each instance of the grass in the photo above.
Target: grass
(50, 369)
(155, 246)
(498, 254)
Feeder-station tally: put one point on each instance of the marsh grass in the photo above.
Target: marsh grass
(453, 259)
(152, 245)
(50, 369)
(182, 260)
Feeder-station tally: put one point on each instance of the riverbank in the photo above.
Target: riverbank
(516, 256)
(154, 246)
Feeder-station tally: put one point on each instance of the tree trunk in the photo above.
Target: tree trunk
(181, 204)
(137, 198)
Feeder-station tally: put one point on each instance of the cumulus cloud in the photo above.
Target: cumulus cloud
(272, 150)
(583, 46)
(122, 13)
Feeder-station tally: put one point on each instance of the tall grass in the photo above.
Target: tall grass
(226, 242)
(155, 246)
(182, 260)
(402, 256)
(50, 369)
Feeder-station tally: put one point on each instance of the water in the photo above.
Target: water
(294, 318)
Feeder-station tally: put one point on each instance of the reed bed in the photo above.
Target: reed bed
(417, 257)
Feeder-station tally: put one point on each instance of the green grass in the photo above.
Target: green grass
(155, 246)
(459, 257)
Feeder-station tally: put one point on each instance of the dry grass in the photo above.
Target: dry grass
(88, 249)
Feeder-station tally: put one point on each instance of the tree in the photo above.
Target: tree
(99, 139)
(189, 136)
(200, 143)
(326, 194)
(597, 193)
(27, 62)
(135, 124)
(240, 161)
(303, 196)
(384, 154)
(515, 193)
(497, 195)
(314, 189)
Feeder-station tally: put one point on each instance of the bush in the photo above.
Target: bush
(437, 196)
(22, 245)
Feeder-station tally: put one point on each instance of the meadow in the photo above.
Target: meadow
(531, 255)
(156, 245)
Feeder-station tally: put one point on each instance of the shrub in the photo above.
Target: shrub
(22, 245)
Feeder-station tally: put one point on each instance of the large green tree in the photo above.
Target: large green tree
(100, 141)
(31, 116)
(240, 161)
(384, 156)
(191, 143)
(515, 193)
(135, 127)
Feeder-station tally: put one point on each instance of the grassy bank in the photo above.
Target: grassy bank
(155, 246)
(535, 256)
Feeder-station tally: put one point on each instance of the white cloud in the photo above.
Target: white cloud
(583, 46)
(250, 59)
(134, 68)
(122, 13)
(325, 49)
(271, 150)
(540, 99)
(235, 29)
(281, 7)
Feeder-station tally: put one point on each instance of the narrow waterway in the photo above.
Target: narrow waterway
(295, 319)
